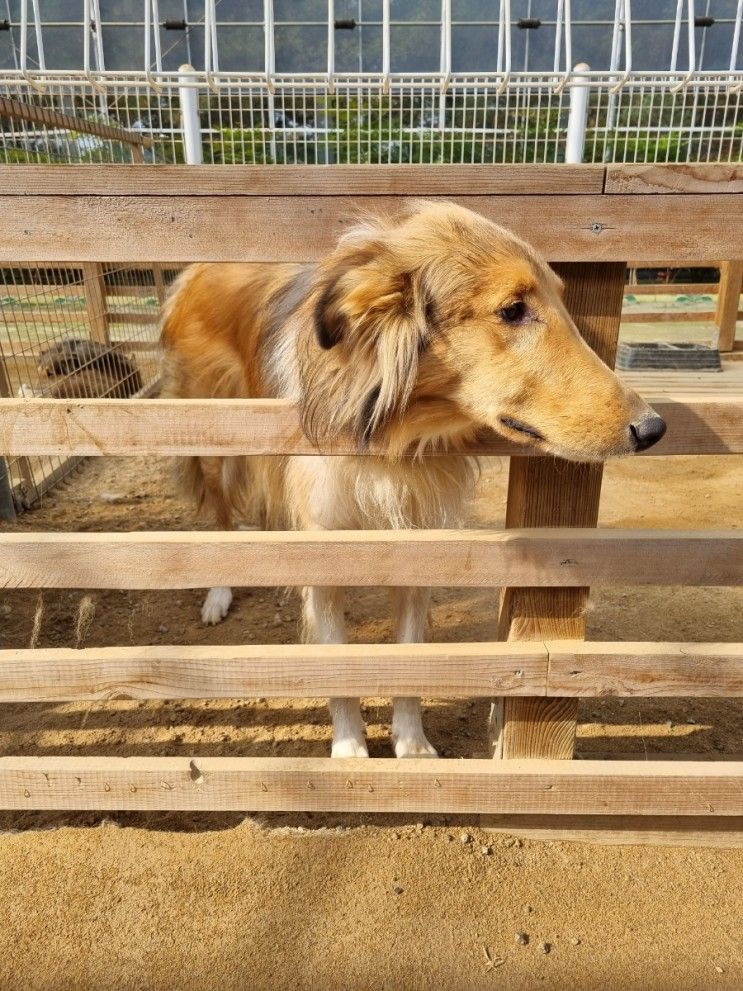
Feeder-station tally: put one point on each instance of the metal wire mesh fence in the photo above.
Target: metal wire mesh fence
(69, 333)
(370, 119)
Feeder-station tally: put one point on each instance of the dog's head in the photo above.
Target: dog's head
(428, 328)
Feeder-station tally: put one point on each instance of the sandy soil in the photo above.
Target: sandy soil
(199, 901)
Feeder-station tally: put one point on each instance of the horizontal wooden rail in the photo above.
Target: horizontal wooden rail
(458, 670)
(307, 180)
(531, 557)
(697, 424)
(48, 117)
(672, 316)
(686, 670)
(375, 180)
(673, 179)
(466, 670)
(262, 784)
(276, 228)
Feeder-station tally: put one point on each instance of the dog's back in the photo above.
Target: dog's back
(217, 336)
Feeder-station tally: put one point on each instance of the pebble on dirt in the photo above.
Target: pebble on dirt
(465, 838)
(522, 938)
(545, 947)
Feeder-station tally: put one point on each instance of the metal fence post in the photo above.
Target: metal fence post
(188, 97)
(576, 137)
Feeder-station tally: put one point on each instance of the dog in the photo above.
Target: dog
(414, 334)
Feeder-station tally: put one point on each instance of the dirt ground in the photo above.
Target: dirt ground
(182, 901)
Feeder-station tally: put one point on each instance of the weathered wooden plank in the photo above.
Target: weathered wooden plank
(136, 318)
(468, 670)
(698, 670)
(671, 288)
(302, 228)
(531, 557)
(47, 117)
(550, 492)
(727, 313)
(302, 180)
(94, 287)
(682, 178)
(725, 833)
(697, 424)
(377, 785)
(286, 671)
(668, 316)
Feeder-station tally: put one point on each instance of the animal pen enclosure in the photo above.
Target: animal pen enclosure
(588, 220)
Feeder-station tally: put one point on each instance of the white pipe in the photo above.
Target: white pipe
(445, 54)
(576, 137)
(269, 64)
(331, 45)
(676, 35)
(558, 36)
(100, 61)
(24, 35)
(736, 36)
(156, 30)
(505, 24)
(39, 38)
(188, 97)
(386, 45)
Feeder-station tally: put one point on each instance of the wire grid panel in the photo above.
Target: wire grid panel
(132, 108)
(389, 120)
(69, 333)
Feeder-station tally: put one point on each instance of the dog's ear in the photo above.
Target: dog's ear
(372, 317)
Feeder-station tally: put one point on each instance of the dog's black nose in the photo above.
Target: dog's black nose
(647, 431)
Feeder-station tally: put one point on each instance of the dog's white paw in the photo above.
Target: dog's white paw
(216, 605)
(413, 746)
(349, 747)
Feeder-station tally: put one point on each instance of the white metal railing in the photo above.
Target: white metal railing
(680, 111)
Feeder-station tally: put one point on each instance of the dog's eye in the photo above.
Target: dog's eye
(514, 312)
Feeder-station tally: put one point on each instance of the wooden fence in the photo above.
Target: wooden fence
(724, 314)
(588, 220)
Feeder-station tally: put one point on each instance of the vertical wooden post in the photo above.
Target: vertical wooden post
(94, 286)
(728, 297)
(157, 273)
(549, 492)
(7, 504)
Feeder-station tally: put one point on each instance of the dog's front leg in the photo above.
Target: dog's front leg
(324, 622)
(411, 616)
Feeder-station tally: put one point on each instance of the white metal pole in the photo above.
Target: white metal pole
(386, 45)
(331, 45)
(39, 38)
(736, 36)
(576, 137)
(188, 97)
(269, 57)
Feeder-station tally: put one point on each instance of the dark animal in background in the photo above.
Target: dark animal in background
(75, 368)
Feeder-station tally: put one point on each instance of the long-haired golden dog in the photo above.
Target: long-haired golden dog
(413, 334)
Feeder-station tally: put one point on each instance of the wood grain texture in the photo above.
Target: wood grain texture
(728, 299)
(664, 179)
(46, 117)
(688, 670)
(301, 180)
(94, 287)
(725, 833)
(707, 421)
(286, 671)
(460, 670)
(550, 492)
(531, 787)
(471, 558)
(138, 319)
(669, 316)
(305, 228)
